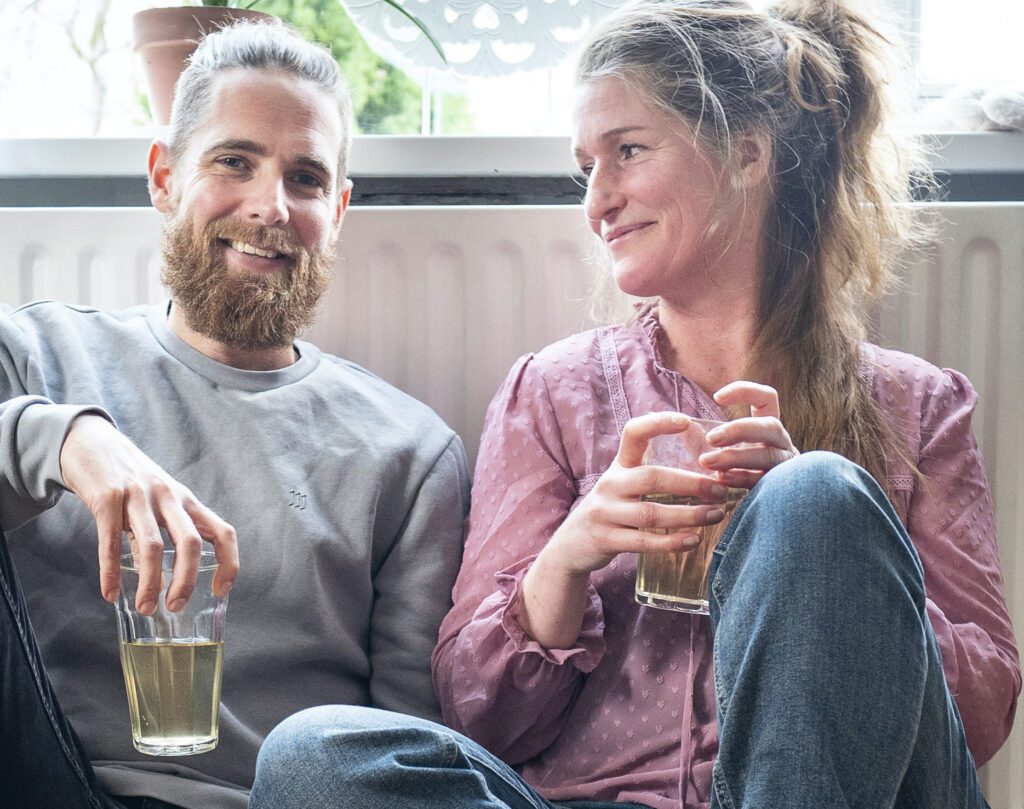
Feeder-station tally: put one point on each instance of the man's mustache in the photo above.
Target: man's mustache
(263, 237)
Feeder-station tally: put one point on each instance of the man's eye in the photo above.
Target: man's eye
(309, 180)
(232, 162)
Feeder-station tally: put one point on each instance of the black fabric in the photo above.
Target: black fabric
(42, 762)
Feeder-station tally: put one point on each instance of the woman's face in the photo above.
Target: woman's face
(650, 192)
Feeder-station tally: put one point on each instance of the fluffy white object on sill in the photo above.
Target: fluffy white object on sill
(977, 108)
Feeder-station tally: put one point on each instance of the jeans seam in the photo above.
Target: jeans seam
(41, 691)
(721, 787)
(515, 784)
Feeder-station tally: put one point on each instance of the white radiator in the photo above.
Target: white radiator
(441, 301)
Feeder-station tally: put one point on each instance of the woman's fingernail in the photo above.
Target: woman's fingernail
(717, 490)
(716, 514)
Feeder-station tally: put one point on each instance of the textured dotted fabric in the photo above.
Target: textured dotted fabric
(628, 713)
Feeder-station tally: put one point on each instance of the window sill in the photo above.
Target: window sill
(410, 170)
(413, 156)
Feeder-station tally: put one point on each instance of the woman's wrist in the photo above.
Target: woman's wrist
(554, 600)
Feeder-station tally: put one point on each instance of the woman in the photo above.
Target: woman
(738, 170)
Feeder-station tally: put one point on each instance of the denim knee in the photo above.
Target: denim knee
(816, 512)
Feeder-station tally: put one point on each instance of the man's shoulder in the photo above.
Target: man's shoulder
(49, 322)
(377, 402)
(53, 312)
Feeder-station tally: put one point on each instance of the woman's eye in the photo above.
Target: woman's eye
(630, 150)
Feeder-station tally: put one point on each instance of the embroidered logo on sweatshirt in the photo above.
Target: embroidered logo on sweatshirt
(297, 500)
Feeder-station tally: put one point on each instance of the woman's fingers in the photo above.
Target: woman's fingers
(638, 431)
(746, 448)
(762, 399)
(639, 481)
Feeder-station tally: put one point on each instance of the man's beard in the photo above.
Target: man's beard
(245, 310)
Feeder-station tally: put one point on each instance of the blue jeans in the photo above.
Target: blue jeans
(343, 756)
(828, 678)
(42, 762)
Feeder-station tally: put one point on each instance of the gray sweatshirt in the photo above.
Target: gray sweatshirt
(347, 495)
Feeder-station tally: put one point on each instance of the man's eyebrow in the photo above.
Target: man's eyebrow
(237, 145)
(314, 163)
(258, 149)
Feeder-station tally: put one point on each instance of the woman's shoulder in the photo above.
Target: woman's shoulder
(904, 381)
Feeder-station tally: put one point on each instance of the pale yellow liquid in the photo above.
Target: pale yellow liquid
(679, 581)
(173, 695)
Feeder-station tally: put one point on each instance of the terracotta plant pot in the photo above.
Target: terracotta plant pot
(166, 37)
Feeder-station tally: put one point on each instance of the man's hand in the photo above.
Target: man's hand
(126, 491)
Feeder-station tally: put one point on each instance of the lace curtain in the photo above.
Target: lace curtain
(479, 37)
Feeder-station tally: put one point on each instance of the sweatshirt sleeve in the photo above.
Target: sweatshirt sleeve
(494, 682)
(32, 431)
(952, 523)
(413, 584)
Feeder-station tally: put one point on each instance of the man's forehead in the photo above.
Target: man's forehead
(274, 113)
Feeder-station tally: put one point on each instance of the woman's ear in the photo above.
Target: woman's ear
(161, 180)
(754, 158)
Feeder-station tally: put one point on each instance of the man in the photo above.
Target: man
(348, 497)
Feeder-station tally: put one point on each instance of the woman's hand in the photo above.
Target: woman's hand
(610, 520)
(751, 446)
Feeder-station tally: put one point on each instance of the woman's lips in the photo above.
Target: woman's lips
(625, 230)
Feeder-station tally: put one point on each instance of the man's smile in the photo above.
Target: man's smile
(253, 250)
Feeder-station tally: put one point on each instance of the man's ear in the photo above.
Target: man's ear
(754, 158)
(344, 197)
(161, 176)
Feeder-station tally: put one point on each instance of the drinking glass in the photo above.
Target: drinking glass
(172, 662)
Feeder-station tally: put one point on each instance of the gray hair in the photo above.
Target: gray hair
(253, 45)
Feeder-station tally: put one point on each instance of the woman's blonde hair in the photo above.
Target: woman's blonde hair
(812, 78)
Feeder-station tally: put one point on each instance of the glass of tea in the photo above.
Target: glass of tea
(679, 580)
(172, 662)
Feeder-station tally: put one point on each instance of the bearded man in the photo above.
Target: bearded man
(343, 498)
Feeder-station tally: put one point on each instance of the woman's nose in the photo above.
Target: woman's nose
(603, 197)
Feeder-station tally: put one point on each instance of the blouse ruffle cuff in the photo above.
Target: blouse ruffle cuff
(589, 647)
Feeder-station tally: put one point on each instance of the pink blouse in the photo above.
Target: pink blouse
(628, 713)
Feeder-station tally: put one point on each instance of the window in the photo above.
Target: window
(68, 69)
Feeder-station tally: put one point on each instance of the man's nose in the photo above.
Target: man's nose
(267, 201)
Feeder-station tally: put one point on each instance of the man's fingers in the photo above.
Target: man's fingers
(148, 548)
(188, 546)
(225, 544)
(109, 523)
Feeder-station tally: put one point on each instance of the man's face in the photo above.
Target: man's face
(253, 209)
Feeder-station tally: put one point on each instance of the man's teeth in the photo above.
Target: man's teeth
(244, 247)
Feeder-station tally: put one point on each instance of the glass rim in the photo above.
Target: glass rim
(207, 560)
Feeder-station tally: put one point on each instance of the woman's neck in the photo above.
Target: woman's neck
(708, 345)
